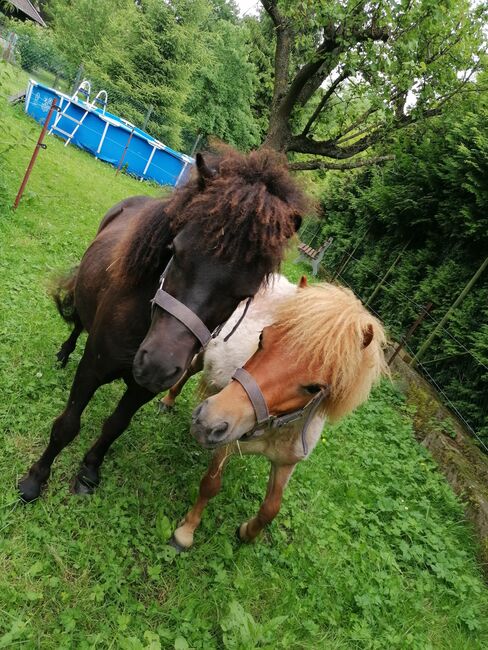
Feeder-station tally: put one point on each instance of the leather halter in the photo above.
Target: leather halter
(265, 420)
(186, 316)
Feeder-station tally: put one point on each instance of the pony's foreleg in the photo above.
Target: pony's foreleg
(64, 428)
(168, 401)
(69, 345)
(209, 487)
(278, 478)
(134, 397)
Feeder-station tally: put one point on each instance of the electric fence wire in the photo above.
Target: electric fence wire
(452, 406)
(422, 308)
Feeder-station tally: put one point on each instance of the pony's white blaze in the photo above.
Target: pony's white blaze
(222, 358)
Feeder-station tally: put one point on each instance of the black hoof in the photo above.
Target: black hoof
(164, 408)
(178, 547)
(29, 488)
(86, 481)
(238, 534)
(62, 357)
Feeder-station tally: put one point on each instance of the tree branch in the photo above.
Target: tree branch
(325, 98)
(325, 164)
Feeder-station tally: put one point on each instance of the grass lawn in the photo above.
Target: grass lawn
(370, 549)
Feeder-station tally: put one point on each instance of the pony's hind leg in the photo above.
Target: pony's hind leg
(134, 397)
(64, 429)
(69, 345)
(168, 401)
(209, 487)
(278, 478)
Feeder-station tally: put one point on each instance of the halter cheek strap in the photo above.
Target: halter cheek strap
(263, 417)
(254, 393)
(186, 316)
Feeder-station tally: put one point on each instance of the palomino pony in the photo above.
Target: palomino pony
(317, 361)
(212, 243)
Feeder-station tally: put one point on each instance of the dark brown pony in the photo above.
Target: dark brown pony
(225, 232)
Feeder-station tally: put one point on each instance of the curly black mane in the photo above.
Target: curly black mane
(248, 208)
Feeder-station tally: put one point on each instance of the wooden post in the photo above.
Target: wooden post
(125, 151)
(38, 146)
(427, 343)
(383, 279)
(409, 334)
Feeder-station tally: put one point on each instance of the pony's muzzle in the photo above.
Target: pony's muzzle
(152, 375)
(208, 433)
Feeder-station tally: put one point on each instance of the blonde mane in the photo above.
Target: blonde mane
(327, 328)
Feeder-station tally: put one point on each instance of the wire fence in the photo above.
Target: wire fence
(454, 369)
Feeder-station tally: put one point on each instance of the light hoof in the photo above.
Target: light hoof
(183, 537)
(178, 547)
(242, 533)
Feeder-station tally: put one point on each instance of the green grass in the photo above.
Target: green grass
(370, 549)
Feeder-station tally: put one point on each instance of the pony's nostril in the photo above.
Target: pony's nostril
(197, 412)
(142, 356)
(218, 431)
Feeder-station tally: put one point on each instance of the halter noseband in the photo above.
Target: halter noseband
(263, 417)
(186, 316)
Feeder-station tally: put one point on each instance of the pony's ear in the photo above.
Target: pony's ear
(204, 171)
(367, 335)
(302, 282)
(297, 222)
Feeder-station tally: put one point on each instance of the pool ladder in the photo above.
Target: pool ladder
(84, 89)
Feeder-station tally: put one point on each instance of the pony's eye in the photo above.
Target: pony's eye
(312, 389)
(260, 344)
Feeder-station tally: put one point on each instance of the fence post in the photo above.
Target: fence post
(150, 109)
(383, 279)
(409, 334)
(38, 146)
(427, 343)
(196, 143)
(125, 151)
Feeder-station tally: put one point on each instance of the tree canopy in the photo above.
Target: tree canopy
(373, 67)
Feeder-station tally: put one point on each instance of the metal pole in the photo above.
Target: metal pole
(196, 143)
(427, 343)
(125, 151)
(383, 279)
(409, 334)
(38, 146)
(147, 116)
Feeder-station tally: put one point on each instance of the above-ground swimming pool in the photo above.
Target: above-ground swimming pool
(107, 136)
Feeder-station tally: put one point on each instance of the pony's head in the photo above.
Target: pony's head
(229, 225)
(322, 337)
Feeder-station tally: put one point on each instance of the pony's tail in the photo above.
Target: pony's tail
(63, 294)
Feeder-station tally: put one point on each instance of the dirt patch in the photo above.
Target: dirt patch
(459, 458)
